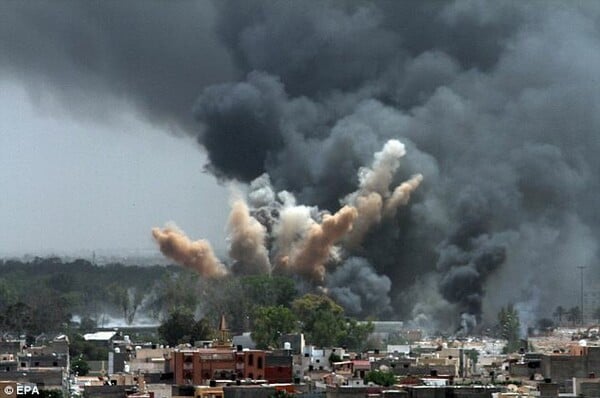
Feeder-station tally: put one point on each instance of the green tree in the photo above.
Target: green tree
(87, 350)
(356, 334)
(380, 378)
(473, 355)
(201, 330)
(574, 315)
(87, 324)
(559, 312)
(321, 318)
(270, 323)
(238, 298)
(267, 290)
(509, 325)
(128, 300)
(8, 295)
(181, 327)
(174, 291)
(80, 367)
(17, 317)
(333, 358)
(545, 324)
(597, 313)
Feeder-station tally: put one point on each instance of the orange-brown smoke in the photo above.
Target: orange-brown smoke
(197, 255)
(313, 252)
(369, 214)
(401, 194)
(247, 237)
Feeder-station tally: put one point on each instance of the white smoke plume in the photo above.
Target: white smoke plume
(293, 224)
(373, 199)
(401, 195)
(247, 241)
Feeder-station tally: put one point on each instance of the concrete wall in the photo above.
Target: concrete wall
(562, 368)
(160, 390)
(44, 378)
(593, 360)
(248, 392)
(105, 391)
(589, 389)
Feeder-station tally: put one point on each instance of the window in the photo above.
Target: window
(259, 362)
(251, 359)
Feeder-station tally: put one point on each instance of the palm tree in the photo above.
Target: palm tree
(574, 315)
(559, 312)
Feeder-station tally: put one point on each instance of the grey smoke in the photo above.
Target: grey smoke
(496, 102)
(359, 289)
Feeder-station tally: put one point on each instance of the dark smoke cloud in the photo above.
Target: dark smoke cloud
(497, 104)
(242, 124)
(359, 289)
(91, 55)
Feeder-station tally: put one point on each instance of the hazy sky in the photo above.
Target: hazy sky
(73, 184)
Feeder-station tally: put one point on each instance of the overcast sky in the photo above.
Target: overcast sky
(94, 101)
(71, 184)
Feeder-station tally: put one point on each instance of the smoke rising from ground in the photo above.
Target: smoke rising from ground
(496, 105)
(197, 255)
(303, 241)
(247, 241)
(310, 257)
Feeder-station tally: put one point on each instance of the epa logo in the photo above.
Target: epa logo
(21, 390)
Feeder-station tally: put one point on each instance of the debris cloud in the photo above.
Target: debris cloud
(247, 241)
(311, 255)
(197, 255)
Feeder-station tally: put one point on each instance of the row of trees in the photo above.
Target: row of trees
(572, 315)
(66, 288)
(269, 306)
(321, 320)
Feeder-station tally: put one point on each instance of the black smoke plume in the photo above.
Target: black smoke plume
(496, 102)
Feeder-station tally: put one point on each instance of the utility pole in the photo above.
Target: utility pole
(581, 268)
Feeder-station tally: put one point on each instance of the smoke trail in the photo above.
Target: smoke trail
(197, 255)
(379, 177)
(401, 195)
(368, 214)
(247, 241)
(309, 257)
(374, 183)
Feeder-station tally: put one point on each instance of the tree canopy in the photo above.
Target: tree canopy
(180, 327)
(270, 323)
(510, 327)
(380, 378)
